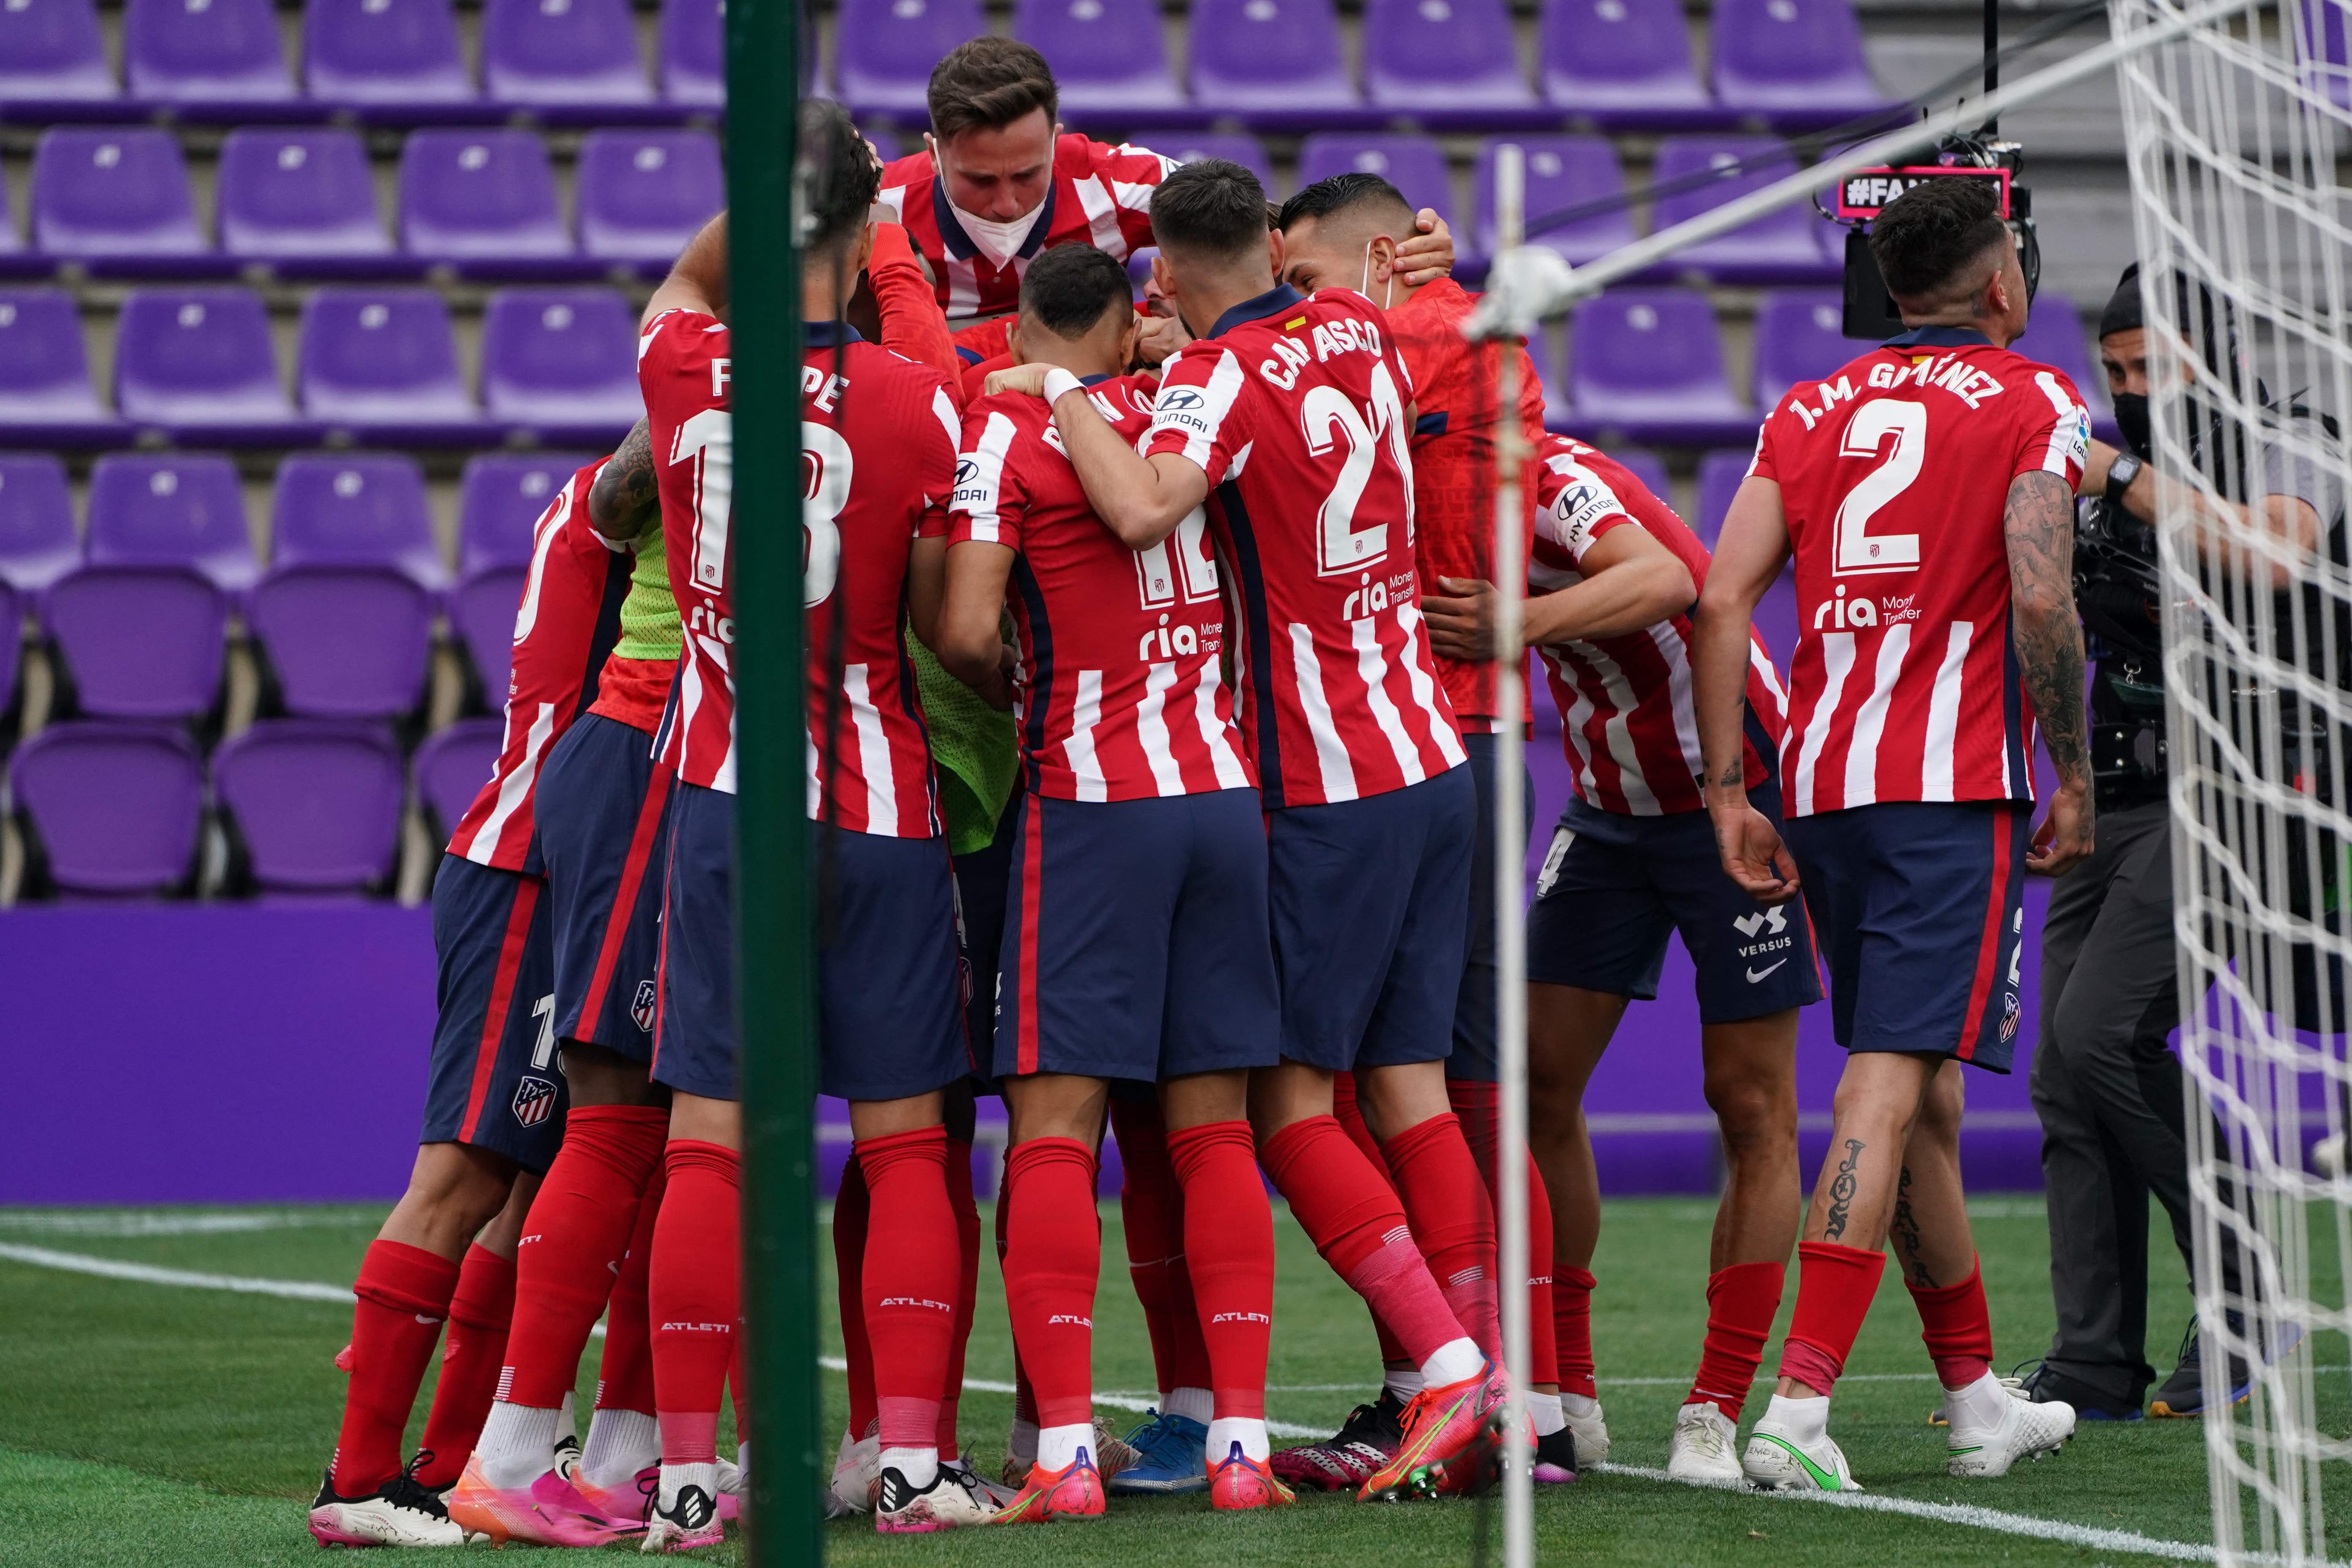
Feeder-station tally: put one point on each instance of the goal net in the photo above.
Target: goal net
(2236, 129)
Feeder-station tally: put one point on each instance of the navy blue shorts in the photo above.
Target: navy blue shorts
(1474, 1006)
(1920, 910)
(1135, 939)
(981, 878)
(693, 1023)
(889, 1012)
(1369, 900)
(1614, 887)
(602, 817)
(494, 1082)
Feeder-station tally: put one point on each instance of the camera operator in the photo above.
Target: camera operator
(2105, 1087)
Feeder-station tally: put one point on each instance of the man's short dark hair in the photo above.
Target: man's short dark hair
(841, 176)
(1927, 238)
(1344, 192)
(988, 83)
(1069, 287)
(1213, 207)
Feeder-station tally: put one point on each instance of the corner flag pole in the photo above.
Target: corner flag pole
(775, 983)
(1510, 912)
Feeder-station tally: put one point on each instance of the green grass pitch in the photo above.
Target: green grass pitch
(142, 1424)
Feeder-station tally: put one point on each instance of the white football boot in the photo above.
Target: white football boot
(399, 1513)
(1979, 1444)
(856, 1474)
(1706, 1450)
(1590, 1425)
(1790, 1450)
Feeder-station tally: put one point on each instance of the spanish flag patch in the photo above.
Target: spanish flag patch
(1293, 324)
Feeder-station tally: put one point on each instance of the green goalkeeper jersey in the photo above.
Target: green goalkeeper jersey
(974, 747)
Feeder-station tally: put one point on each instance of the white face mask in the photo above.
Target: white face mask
(1364, 282)
(998, 241)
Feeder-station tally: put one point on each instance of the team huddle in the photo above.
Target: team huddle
(1151, 708)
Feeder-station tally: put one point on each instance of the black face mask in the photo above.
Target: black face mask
(2131, 419)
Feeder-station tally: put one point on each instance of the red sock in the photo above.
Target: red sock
(851, 1207)
(480, 1312)
(1475, 1107)
(695, 1294)
(1358, 1224)
(1834, 1287)
(1741, 1302)
(1957, 1327)
(911, 1281)
(1229, 1241)
(573, 1244)
(404, 1294)
(624, 1379)
(1572, 1329)
(1050, 1266)
(1151, 1203)
(1453, 1220)
(967, 1219)
(1024, 1393)
(1350, 1118)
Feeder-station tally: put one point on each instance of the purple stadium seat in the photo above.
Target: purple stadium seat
(171, 508)
(1109, 56)
(53, 51)
(318, 802)
(2053, 335)
(1562, 171)
(1413, 164)
(561, 357)
(499, 499)
(642, 193)
(482, 614)
(12, 648)
(693, 43)
(1798, 63)
(476, 194)
(887, 47)
(1648, 363)
(346, 642)
(383, 52)
(197, 357)
(1271, 61)
(1784, 247)
(1797, 339)
(581, 52)
(205, 51)
(112, 191)
(38, 544)
(1719, 474)
(382, 357)
(1647, 467)
(140, 642)
(1444, 59)
(1190, 146)
(1625, 64)
(2328, 61)
(298, 195)
(356, 509)
(117, 806)
(452, 767)
(44, 367)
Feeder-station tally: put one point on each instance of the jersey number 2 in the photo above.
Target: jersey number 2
(1859, 549)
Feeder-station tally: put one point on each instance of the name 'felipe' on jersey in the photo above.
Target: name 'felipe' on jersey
(1894, 476)
(1121, 697)
(1294, 408)
(569, 620)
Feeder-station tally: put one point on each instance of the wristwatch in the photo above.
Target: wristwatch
(2120, 475)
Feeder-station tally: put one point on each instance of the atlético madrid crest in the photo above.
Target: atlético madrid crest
(534, 1100)
(641, 1011)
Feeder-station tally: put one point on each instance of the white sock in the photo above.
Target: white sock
(1544, 1411)
(1983, 1403)
(1804, 1420)
(1577, 1404)
(1192, 1404)
(919, 1466)
(565, 1425)
(516, 1445)
(1453, 1361)
(1401, 1378)
(620, 1444)
(1020, 1443)
(1225, 1431)
(676, 1478)
(1058, 1445)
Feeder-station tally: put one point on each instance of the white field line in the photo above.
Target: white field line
(134, 1223)
(1117, 1399)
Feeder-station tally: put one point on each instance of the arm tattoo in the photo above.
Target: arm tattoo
(2039, 526)
(1842, 1191)
(626, 500)
(1906, 1236)
(1735, 775)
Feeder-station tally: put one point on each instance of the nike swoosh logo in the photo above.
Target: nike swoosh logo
(1825, 1479)
(1753, 976)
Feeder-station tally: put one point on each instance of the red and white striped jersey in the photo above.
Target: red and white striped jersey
(569, 619)
(1627, 721)
(1295, 409)
(1894, 476)
(1121, 697)
(1100, 195)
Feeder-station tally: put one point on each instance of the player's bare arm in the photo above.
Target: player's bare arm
(624, 503)
(2037, 524)
(2274, 538)
(927, 576)
(1142, 500)
(1748, 557)
(967, 636)
(698, 279)
(1631, 580)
